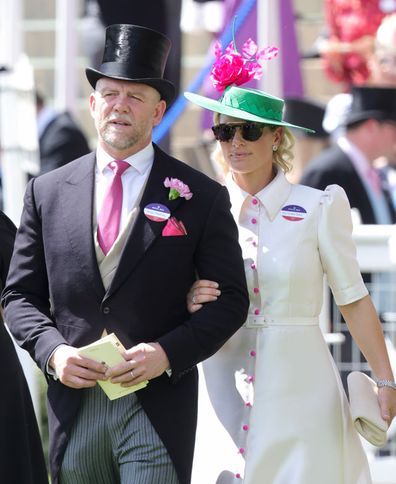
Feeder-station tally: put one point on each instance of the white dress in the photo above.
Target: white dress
(272, 396)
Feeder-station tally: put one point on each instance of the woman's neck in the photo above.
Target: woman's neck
(253, 182)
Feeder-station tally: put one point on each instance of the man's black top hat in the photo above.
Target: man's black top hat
(135, 53)
(307, 112)
(372, 103)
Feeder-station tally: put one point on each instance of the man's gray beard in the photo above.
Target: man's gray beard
(117, 143)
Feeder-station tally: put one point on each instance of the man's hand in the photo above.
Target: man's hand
(76, 371)
(144, 361)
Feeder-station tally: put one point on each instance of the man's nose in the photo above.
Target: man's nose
(121, 103)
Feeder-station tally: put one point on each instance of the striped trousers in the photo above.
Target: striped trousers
(114, 442)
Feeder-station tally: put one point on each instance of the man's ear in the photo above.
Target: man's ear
(92, 104)
(159, 112)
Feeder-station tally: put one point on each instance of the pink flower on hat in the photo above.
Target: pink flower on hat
(177, 189)
(231, 67)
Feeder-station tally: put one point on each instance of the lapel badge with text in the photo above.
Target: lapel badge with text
(156, 212)
(293, 213)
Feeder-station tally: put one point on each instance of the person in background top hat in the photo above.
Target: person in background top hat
(271, 396)
(370, 132)
(100, 241)
(60, 138)
(308, 144)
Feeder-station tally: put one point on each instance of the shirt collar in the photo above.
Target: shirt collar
(141, 161)
(358, 159)
(272, 197)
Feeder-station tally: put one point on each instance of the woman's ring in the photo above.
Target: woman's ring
(132, 375)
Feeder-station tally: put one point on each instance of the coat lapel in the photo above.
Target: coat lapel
(145, 231)
(77, 196)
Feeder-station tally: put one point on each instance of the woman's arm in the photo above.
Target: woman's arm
(366, 330)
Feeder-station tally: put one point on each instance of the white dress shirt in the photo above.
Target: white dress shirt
(133, 179)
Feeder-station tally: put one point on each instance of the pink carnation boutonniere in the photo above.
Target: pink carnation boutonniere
(177, 189)
(232, 67)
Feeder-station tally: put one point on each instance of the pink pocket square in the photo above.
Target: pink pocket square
(174, 227)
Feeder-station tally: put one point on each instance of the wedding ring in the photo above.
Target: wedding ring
(132, 375)
(193, 300)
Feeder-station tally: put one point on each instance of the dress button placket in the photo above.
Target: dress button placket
(252, 219)
(248, 405)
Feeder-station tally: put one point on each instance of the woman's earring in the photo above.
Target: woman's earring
(274, 147)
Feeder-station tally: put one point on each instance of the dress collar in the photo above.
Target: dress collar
(272, 197)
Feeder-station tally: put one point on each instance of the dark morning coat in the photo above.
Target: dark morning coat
(54, 259)
(333, 166)
(21, 454)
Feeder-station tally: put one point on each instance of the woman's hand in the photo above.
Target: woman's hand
(366, 330)
(387, 403)
(201, 292)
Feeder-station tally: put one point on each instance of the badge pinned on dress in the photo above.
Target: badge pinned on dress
(157, 212)
(293, 213)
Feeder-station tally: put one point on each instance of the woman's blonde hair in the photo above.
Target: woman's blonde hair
(282, 157)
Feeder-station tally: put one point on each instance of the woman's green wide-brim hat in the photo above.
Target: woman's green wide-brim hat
(248, 104)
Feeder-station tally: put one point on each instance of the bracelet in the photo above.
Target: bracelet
(386, 383)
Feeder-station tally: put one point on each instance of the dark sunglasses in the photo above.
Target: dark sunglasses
(250, 131)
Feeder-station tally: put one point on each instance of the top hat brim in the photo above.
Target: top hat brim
(307, 111)
(353, 118)
(218, 107)
(164, 87)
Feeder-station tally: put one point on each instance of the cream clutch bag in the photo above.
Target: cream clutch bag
(365, 409)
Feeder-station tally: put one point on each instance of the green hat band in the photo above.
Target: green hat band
(253, 102)
(248, 104)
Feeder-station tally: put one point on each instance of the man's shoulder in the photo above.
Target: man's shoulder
(76, 169)
(330, 160)
(330, 156)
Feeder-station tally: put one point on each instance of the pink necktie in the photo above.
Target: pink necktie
(374, 179)
(110, 213)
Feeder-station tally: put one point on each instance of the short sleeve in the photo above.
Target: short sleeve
(337, 248)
